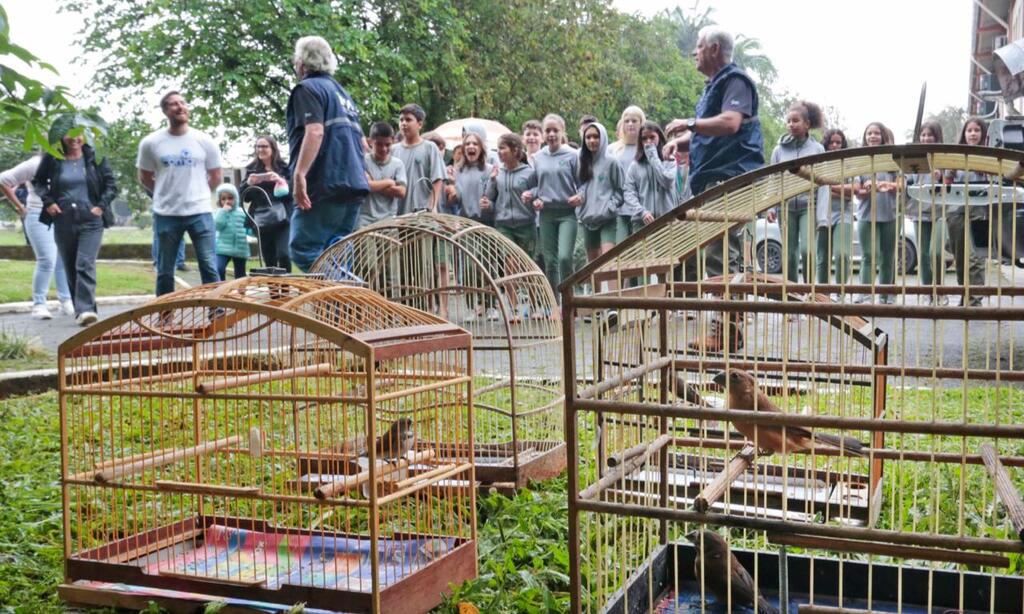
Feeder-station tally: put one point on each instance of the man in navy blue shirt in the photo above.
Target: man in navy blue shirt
(326, 154)
(724, 140)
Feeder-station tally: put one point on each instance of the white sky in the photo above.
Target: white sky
(867, 58)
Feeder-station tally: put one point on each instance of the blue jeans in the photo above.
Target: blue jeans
(78, 235)
(169, 231)
(180, 261)
(314, 230)
(40, 237)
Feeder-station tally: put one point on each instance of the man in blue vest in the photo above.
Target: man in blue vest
(326, 154)
(724, 140)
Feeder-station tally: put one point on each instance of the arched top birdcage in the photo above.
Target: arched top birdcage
(270, 439)
(473, 276)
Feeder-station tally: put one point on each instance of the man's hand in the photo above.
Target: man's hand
(669, 150)
(97, 211)
(676, 125)
(299, 191)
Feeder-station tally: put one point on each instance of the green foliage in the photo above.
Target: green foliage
(16, 346)
(523, 554)
(121, 143)
(26, 105)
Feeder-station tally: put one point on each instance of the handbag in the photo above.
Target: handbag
(267, 213)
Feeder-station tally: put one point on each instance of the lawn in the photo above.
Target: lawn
(523, 553)
(117, 235)
(112, 279)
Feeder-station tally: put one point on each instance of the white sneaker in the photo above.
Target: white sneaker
(67, 308)
(40, 312)
(493, 315)
(87, 318)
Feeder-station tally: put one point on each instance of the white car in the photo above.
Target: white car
(768, 248)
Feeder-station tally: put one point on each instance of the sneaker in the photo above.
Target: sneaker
(86, 318)
(493, 315)
(861, 299)
(974, 301)
(184, 268)
(67, 308)
(943, 300)
(715, 341)
(888, 299)
(40, 312)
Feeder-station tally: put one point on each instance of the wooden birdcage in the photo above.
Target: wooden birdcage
(767, 411)
(268, 440)
(471, 275)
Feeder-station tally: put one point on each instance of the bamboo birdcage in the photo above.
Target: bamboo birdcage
(932, 391)
(232, 441)
(473, 276)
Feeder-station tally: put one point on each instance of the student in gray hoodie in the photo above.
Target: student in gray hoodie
(624, 150)
(601, 180)
(556, 198)
(470, 179)
(877, 217)
(834, 220)
(797, 220)
(514, 217)
(650, 189)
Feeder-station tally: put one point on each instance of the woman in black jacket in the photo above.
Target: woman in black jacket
(268, 172)
(76, 194)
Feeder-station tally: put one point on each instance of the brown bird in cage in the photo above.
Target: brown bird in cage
(724, 576)
(397, 441)
(744, 394)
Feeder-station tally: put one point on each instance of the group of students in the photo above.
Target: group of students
(872, 203)
(538, 191)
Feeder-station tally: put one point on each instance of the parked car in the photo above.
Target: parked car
(768, 248)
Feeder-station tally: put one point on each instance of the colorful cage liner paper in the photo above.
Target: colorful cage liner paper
(233, 440)
(471, 275)
(930, 390)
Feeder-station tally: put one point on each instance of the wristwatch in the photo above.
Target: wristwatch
(691, 124)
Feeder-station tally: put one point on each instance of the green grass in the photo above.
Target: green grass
(523, 552)
(119, 235)
(21, 353)
(111, 280)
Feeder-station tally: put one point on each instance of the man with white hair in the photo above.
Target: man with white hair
(724, 140)
(326, 154)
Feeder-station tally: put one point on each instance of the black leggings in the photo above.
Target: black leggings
(274, 246)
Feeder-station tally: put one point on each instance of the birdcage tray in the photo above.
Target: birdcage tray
(892, 588)
(249, 559)
(770, 487)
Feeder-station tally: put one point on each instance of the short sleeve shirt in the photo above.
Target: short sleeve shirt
(378, 206)
(308, 109)
(423, 166)
(179, 164)
(738, 97)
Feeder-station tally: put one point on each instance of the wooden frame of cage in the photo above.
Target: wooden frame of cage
(671, 240)
(395, 257)
(261, 303)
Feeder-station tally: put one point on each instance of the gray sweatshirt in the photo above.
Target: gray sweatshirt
(505, 192)
(556, 176)
(470, 182)
(885, 202)
(624, 154)
(602, 193)
(791, 149)
(650, 187)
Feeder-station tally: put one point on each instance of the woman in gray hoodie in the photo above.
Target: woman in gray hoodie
(556, 199)
(650, 189)
(624, 150)
(601, 180)
(797, 217)
(470, 179)
(507, 182)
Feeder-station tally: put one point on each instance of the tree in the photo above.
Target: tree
(26, 105)
(123, 138)
(950, 118)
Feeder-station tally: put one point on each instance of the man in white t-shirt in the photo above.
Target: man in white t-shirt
(181, 167)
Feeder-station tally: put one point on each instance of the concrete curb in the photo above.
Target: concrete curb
(20, 383)
(129, 299)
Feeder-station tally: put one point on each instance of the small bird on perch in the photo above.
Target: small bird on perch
(723, 573)
(744, 394)
(397, 441)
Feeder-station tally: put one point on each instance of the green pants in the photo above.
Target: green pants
(833, 250)
(964, 256)
(931, 264)
(878, 250)
(799, 225)
(623, 228)
(523, 236)
(557, 242)
(602, 235)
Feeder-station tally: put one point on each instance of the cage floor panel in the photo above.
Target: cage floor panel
(687, 600)
(89, 592)
(271, 560)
